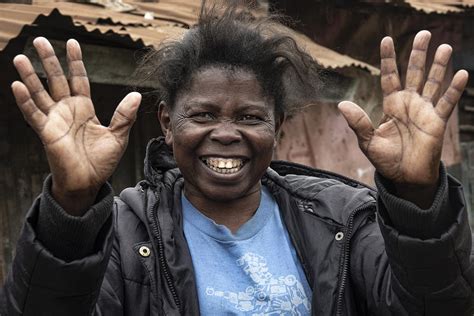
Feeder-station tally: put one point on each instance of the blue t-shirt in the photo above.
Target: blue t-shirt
(253, 272)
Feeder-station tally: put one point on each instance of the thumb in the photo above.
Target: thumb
(125, 114)
(358, 121)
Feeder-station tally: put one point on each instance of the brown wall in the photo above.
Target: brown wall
(320, 137)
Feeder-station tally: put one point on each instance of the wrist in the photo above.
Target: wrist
(420, 195)
(75, 203)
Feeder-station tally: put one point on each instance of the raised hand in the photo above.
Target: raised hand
(406, 147)
(82, 153)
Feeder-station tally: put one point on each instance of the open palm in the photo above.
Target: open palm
(81, 152)
(406, 147)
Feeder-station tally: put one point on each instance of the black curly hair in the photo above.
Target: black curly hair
(232, 38)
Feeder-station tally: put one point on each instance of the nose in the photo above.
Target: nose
(226, 134)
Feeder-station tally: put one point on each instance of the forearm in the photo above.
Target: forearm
(71, 237)
(398, 206)
(420, 195)
(415, 261)
(74, 203)
(429, 250)
(41, 283)
(408, 276)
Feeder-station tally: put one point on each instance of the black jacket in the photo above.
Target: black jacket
(400, 260)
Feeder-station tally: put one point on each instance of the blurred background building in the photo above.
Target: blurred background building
(343, 36)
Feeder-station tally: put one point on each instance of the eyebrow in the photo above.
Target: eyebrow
(207, 104)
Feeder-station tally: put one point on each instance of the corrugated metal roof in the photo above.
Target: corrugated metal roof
(433, 7)
(171, 19)
(430, 6)
(462, 3)
(168, 17)
(328, 58)
(442, 6)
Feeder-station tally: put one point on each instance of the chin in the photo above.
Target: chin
(229, 193)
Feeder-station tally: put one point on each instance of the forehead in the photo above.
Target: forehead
(220, 85)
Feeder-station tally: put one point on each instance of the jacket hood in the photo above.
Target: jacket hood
(158, 159)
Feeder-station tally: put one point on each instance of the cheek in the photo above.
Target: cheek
(265, 136)
(263, 143)
(184, 133)
(186, 140)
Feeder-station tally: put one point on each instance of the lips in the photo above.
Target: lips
(224, 165)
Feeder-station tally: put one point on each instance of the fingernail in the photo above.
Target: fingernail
(38, 39)
(135, 94)
(17, 57)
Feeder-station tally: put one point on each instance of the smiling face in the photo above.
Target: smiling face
(222, 130)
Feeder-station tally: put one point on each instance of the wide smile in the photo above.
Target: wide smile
(224, 165)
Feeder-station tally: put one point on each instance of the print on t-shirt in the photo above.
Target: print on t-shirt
(283, 295)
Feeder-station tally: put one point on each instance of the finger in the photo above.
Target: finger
(358, 121)
(450, 98)
(437, 72)
(57, 82)
(416, 64)
(35, 88)
(389, 77)
(125, 114)
(384, 119)
(31, 112)
(78, 80)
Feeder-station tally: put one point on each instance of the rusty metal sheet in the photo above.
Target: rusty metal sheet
(328, 58)
(441, 6)
(461, 3)
(149, 36)
(320, 137)
(13, 17)
(184, 11)
(170, 20)
(431, 7)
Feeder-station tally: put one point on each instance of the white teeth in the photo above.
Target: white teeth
(224, 165)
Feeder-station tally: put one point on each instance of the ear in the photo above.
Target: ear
(279, 120)
(164, 117)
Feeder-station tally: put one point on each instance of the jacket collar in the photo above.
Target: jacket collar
(302, 182)
(158, 160)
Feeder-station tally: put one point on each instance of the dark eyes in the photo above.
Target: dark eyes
(208, 116)
(249, 118)
(203, 116)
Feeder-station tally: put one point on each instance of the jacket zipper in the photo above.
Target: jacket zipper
(344, 264)
(161, 256)
(154, 281)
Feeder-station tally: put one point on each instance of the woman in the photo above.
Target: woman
(223, 233)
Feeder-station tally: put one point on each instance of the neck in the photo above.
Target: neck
(232, 214)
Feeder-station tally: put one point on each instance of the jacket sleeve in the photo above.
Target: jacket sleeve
(413, 261)
(45, 280)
